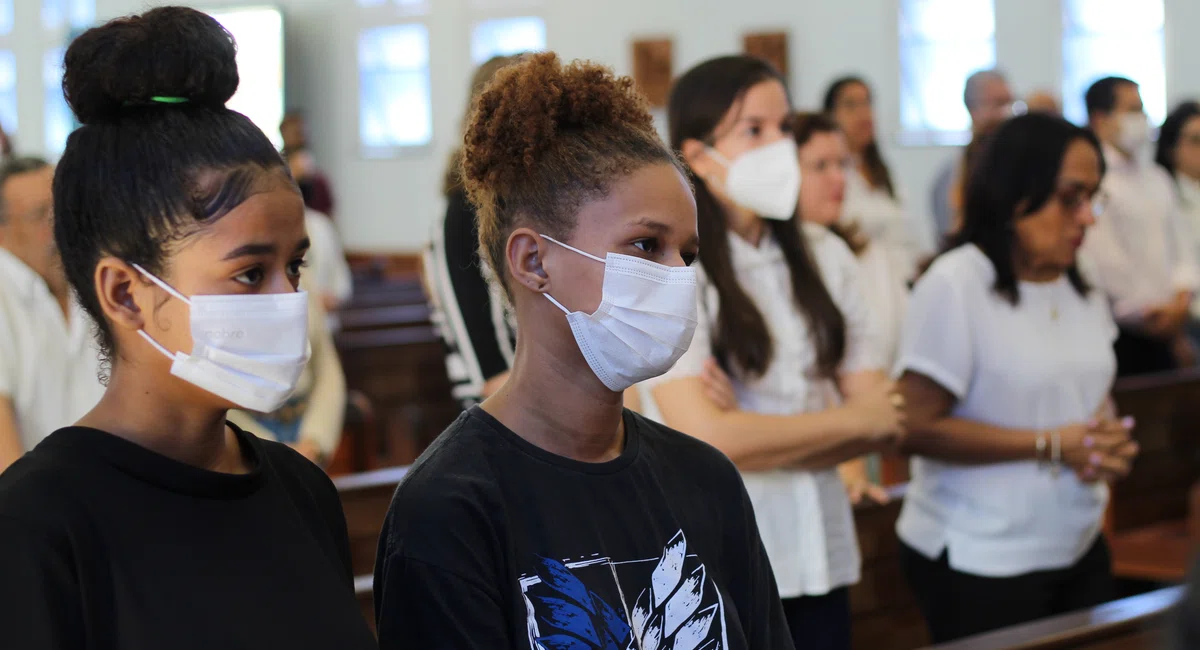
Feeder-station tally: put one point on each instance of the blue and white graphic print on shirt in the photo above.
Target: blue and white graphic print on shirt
(586, 605)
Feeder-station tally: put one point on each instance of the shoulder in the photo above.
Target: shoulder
(452, 486)
(828, 248)
(693, 458)
(960, 268)
(47, 488)
(302, 479)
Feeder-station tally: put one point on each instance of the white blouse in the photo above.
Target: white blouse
(884, 221)
(1045, 363)
(1189, 207)
(804, 517)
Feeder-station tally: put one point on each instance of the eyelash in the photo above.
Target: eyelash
(688, 258)
(298, 264)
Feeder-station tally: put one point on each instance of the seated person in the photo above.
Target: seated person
(49, 365)
(311, 419)
(549, 516)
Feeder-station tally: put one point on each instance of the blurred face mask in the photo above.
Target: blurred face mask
(249, 349)
(645, 321)
(1133, 132)
(765, 180)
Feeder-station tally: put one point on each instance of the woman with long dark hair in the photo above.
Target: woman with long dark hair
(781, 313)
(154, 522)
(873, 198)
(1178, 152)
(1008, 363)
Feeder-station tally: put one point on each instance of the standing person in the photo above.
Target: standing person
(154, 523)
(468, 308)
(873, 200)
(314, 185)
(1007, 367)
(1142, 253)
(781, 312)
(989, 100)
(549, 516)
(49, 367)
(1178, 152)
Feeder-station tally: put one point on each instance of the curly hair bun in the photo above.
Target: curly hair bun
(527, 107)
(174, 52)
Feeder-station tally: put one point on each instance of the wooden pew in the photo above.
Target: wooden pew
(1135, 623)
(1147, 521)
(883, 610)
(365, 499)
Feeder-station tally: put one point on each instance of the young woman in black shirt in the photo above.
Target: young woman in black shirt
(153, 523)
(550, 516)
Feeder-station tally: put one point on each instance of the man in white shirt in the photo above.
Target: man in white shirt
(49, 367)
(1140, 250)
(989, 100)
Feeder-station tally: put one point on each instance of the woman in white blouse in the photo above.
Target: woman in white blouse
(873, 198)
(1178, 152)
(1007, 364)
(785, 318)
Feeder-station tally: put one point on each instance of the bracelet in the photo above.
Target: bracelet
(1041, 449)
(1055, 453)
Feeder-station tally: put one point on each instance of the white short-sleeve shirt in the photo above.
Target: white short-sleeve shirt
(49, 366)
(1045, 363)
(804, 518)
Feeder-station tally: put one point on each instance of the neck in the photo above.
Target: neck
(137, 407)
(582, 422)
(745, 223)
(1038, 273)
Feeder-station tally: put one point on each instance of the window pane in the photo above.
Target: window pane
(78, 14)
(940, 20)
(1136, 56)
(394, 89)
(931, 86)
(506, 36)
(405, 6)
(1112, 16)
(259, 35)
(8, 92)
(59, 121)
(6, 16)
(941, 43)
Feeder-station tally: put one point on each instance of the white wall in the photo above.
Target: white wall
(387, 205)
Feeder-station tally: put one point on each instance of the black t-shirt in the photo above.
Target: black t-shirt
(492, 542)
(106, 545)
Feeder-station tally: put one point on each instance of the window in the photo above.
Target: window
(6, 16)
(59, 120)
(8, 91)
(76, 14)
(506, 36)
(405, 6)
(1113, 37)
(941, 43)
(394, 89)
(259, 35)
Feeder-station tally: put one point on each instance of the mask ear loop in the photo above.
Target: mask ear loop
(169, 289)
(570, 248)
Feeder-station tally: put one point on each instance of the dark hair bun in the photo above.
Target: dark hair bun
(165, 52)
(530, 105)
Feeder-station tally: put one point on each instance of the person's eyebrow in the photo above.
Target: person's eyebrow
(250, 250)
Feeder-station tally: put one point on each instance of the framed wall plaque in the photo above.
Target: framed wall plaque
(652, 68)
(772, 46)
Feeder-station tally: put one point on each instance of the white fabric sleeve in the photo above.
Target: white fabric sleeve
(1185, 272)
(10, 361)
(937, 340)
(328, 258)
(840, 270)
(1109, 268)
(326, 411)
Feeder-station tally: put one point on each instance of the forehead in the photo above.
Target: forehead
(854, 90)
(37, 181)
(1192, 125)
(824, 143)
(655, 193)
(1128, 94)
(764, 99)
(1081, 163)
(273, 214)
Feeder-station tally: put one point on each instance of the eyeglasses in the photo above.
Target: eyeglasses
(1071, 199)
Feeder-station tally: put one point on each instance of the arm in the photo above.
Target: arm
(759, 607)
(325, 413)
(42, 600)
(418, 605)
(10, 435)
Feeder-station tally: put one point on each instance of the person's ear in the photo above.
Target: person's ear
(696, 155)
(120, 292)
(523, 253)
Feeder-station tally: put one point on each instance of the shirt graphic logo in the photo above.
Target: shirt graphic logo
(663, 603)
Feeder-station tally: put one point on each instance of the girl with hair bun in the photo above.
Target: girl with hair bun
(153, 522)
(549, 516)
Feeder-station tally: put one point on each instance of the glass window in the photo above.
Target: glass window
(394, 89)
(505, 36)
(405, 6)
(59, 121)
(259, 35)
(8, 92)
(6, 16)
(77, 14)
(1113, 37)
(941, 43)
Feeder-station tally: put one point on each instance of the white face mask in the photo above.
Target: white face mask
(645, 321)
(766, 179)
(1133, 133)
(249, 349)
